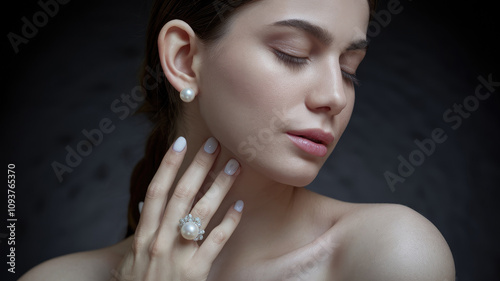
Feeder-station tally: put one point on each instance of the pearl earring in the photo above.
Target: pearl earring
(187, 95)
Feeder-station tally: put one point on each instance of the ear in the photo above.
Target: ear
(178, 52)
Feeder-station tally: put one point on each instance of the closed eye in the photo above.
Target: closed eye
(298, 62)
(352, 77)
(291, 61)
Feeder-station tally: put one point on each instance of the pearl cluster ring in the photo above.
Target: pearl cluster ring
(191, 228)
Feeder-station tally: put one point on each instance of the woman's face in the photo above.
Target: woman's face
(280, 81)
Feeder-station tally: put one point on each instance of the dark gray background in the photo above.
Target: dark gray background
(426, 59)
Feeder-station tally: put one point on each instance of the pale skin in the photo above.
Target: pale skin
(285, 232)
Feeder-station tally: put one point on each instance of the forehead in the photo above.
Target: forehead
(344, 19)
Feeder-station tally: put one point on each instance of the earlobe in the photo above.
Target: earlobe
(177, 48)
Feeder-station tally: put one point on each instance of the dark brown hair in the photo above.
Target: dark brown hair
(208, 19)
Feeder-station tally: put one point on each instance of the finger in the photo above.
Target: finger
(156, 195)
(189, 184)
(125, 270)
(216, 240)
(210, 202)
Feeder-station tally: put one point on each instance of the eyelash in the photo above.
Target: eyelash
(292, 61)
(298, 62)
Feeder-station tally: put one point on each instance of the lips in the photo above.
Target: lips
(315, 135)
(312, 141)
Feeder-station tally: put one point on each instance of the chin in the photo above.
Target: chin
(299, 180)
(301, 177)
(297, 172)
(300, 170)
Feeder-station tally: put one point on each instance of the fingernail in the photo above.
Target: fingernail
(231, 167)
(210, 145)
(239, 206)
(180, 144)
(140, 206)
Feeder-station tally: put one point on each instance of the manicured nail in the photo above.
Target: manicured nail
(210, 145)
(231, 167)
(180, 144)
(239, 206)
(140, 206)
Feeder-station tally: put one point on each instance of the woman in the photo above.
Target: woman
(254, 98)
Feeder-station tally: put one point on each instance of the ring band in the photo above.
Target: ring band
(191, 228)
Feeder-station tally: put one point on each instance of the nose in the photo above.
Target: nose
(328, 93)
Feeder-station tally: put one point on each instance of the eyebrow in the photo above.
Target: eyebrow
(323, 35)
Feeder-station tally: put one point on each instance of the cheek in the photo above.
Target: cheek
(240, 92)
(245, 75)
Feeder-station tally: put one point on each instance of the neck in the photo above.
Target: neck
(267, 202)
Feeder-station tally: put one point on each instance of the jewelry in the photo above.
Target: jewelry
(187, 95)
(191, 228)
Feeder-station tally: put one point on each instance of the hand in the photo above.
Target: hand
(159, 252)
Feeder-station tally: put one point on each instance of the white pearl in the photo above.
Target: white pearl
(187, 95)
(189, 230)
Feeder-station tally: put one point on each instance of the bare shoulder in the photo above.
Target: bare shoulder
(392, 242)
(89, 265)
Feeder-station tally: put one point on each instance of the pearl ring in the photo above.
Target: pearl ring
(191, 228)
